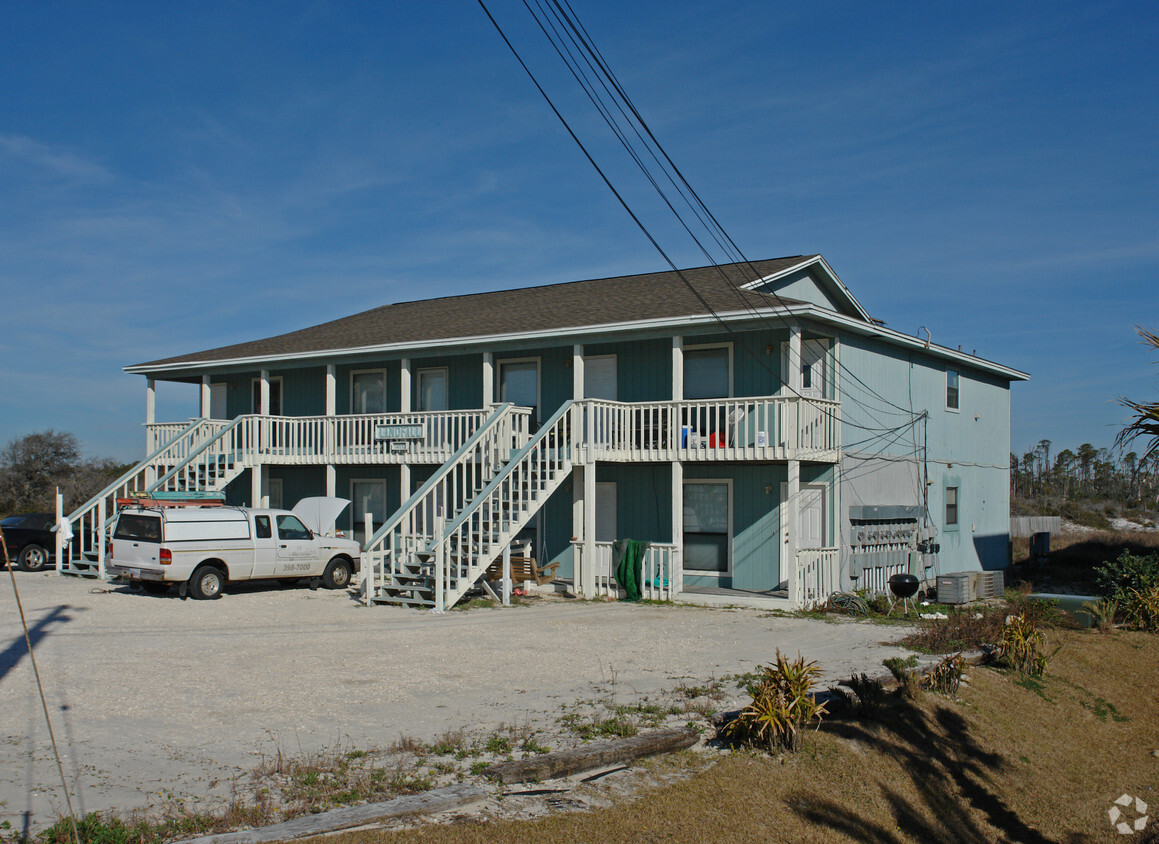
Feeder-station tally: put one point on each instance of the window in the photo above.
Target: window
(290, 528)
(951, 389)
(951, 506)
(369, 496)
(141, 528)
(706, 527)
(432, 384)
(262, 527)
(706, 373)
(368, 391)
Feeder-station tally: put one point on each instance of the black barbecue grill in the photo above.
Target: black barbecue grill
(903, 586)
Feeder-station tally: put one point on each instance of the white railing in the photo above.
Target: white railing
(875, 578)
(818, 576)
(659, 573)
(90, 521)
(391, 556)
(769, 428)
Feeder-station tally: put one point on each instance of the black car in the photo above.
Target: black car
(30, 540)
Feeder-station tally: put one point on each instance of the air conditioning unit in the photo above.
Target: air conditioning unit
(991, 584)
(956, 588)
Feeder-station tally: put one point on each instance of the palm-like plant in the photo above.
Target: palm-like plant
(1145, 421)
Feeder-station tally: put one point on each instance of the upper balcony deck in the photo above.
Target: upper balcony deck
(769, 428)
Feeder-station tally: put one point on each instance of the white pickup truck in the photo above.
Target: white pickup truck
(201, 549)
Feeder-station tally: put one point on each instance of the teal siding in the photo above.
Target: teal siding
(300, 482)
(756, 540)
(303, 391)
(756, 359)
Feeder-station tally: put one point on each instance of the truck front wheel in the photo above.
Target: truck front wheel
(206, 583)
(337, 574)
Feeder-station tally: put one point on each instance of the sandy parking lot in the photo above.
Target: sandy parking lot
(152, 696)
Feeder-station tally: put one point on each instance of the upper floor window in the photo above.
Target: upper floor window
(432, 385)
(368, 391)
(951, 389)
(951, 506)
(706, 373)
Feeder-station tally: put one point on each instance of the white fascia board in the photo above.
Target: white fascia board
(806, 310)
(816, 260)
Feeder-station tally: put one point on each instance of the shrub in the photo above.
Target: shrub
(1142, 609)
(1130, 572)
(870, 692)
(946, 676)
(965, 629)
(909, 682)
(1103, 613)
(1021, 646)
(781, 708)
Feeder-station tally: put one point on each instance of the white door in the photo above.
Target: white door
(811, 517)
(265, 546)
(297, 552)
(218, 391)
(814, 368)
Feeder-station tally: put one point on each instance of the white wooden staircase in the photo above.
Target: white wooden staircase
(441, 541)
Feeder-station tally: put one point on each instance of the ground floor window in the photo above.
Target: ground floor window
(707, 526)
(368, 496)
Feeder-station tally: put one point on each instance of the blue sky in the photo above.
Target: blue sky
(175, 177)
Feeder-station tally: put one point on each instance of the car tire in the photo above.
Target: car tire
(155, 587)
(337, 574)
(207, 583)
(32, 558)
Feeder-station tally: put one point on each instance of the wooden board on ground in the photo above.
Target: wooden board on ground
(591, 756)
(438, 800)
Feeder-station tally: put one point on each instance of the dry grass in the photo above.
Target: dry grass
(1011, 759)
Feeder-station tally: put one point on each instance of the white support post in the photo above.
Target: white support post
(791, 505)
(403, 483)
(331, 480)
(676, 569)
(264, 393)
(260, 485)
(579, 562)
(488, 379)
(203, 405)
(150, 413)
(331, 422)
(404, 385)
(99, 538)
(60, 543)
(589, 538)
(507, 575)
(677, 370)
(792, 441)
(577, 371)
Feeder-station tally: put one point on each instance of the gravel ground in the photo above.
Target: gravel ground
(155, 696)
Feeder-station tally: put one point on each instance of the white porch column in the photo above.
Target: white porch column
(488, 379)
(789, 546)
(577, 527)
(204, 404)
(677, 369)
(676, 575)
(403, 483)
(150, 413)
(331, 480)
(577, 371)
(260, 486)
(794, 362)
(331, 390)
(264, 393)
(589, 537)
(404, 385)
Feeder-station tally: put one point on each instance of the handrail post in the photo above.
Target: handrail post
(99, 538)
(440, 552)
(507, 575)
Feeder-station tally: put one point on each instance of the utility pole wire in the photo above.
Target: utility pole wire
(40, 688)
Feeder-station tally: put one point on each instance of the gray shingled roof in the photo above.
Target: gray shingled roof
(575, 304)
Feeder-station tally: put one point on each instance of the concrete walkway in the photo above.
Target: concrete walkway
(155, 696)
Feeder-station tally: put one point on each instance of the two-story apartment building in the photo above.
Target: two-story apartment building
(751, 422)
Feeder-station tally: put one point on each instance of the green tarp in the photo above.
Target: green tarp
(628, 564)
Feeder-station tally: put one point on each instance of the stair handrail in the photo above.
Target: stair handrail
(421, 493)
(137, 469)
(160, 482)
(512, 463)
